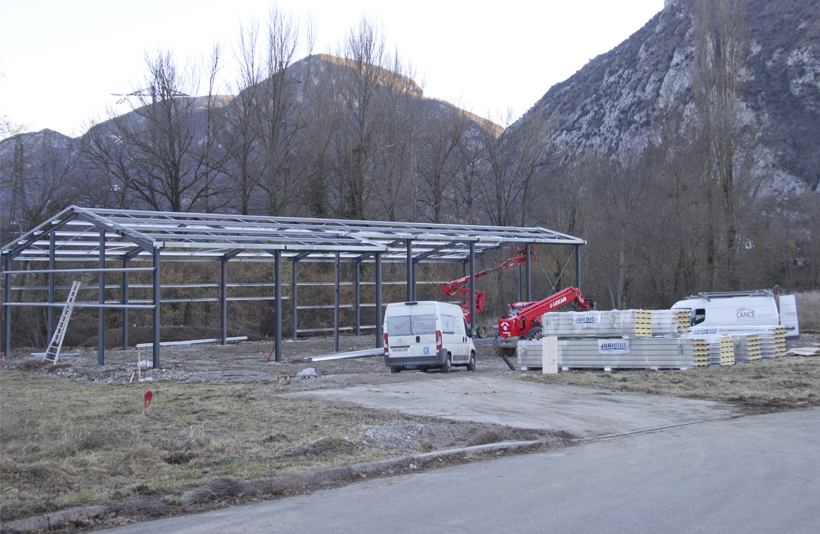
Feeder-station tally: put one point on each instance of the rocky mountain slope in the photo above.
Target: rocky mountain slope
(617, 102)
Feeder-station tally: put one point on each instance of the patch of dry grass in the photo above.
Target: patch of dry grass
(784, 383)
(66, 443)
(808, 311)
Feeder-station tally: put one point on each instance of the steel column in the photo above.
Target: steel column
(519, 283)
(223, 299)
(357, 265)
(155, 296)
(294, 265)
(578, 266)
(277, 254)
(125, 262)
(472, 288)
(336, 308)
(50, 320)
(410, 281)
(379, 330)
(7, 309)
(101, 300)
(528, 271)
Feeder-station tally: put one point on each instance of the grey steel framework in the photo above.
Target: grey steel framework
(100, 235)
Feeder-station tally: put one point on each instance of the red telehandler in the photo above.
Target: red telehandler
(524, 318)
(459, 288)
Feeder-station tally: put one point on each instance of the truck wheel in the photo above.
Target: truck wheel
(394, 370)
(447, 366)
(471, 363)
(502, 351)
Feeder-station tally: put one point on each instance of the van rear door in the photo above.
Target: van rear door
(788, 315)
(424, 331)
(400, 335)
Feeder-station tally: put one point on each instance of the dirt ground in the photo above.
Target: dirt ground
(76, 433)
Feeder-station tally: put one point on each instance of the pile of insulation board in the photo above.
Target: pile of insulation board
(771, 339)
(648, 339)
(720, 349)
(616, 323)
(618, 353)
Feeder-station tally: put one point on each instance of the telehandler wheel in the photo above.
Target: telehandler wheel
(502, 351)
(483, 331)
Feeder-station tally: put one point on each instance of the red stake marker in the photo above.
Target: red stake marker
(148, 396)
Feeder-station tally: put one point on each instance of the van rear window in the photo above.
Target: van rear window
(447, 325)
(398, 325)
(424, 324)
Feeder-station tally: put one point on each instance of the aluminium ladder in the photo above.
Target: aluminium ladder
(53, 351)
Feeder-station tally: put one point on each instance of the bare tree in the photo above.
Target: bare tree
(151, 153)
(722, 46)
(510, 163)
(38, 179)
(245, 161)
(445, 127)
(369, 88)
(277, 118)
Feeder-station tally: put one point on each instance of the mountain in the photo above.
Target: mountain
(619, 100)
(325, 136)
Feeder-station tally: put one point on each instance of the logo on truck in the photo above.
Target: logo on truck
(745, 313)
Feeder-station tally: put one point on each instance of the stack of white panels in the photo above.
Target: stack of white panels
(721, 349)
(747, 348)
(614, 323)
(772, 338)
(637, 353)
(670, 322)
(530, 354)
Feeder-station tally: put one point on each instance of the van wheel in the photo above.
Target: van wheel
(471, 363)
(447, 366)
(395, 370)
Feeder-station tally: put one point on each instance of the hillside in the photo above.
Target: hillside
(619, 100)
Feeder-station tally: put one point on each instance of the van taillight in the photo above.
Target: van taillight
(438, 339)
(385, 342)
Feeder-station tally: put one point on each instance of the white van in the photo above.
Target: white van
(425, 335)
(741, 308)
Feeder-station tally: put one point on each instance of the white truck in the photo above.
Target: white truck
(425, 335)
(742, 308)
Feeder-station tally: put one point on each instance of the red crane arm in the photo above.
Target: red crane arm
(530, 316)
(458, 288)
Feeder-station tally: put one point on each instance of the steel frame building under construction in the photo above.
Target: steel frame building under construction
(96, 236)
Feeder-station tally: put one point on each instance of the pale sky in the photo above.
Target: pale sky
(60, 60)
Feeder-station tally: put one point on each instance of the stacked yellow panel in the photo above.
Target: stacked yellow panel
(643, 323)
(727, 351)
(700, 352)
(754, 348)
(779, 338)
(682, 318)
